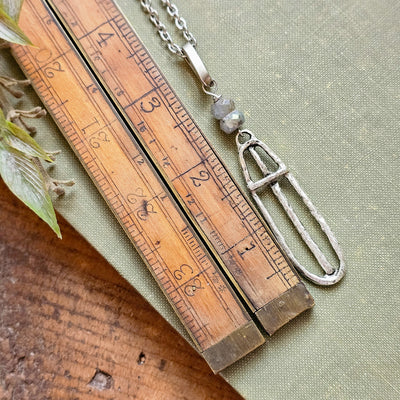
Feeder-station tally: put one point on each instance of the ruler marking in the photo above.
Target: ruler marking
(140, 98)
(87, 33)
(200, 183)
(197, 252)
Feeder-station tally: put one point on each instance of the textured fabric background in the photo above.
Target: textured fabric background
(318, 81)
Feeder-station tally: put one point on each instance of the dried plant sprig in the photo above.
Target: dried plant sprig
(21, 157)
(18, 116)
(56, 186)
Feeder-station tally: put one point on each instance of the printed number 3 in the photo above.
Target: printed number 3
(183, 270)
(152, 104)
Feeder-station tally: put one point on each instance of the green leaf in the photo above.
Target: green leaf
(25, 180)
(10, 31)
(12, 8)
(20, 140)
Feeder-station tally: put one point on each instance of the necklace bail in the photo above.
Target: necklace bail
(197, 65)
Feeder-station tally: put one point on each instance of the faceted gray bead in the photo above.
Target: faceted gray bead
(233, 121)
(222, 107)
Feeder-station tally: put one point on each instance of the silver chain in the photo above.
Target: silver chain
(180, 23)
(270, 178)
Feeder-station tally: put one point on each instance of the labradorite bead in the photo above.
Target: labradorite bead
(222, 107)
(231, 122)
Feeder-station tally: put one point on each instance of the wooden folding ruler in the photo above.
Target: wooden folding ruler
(159, 175)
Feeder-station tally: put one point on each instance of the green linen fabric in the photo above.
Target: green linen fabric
(319, 82)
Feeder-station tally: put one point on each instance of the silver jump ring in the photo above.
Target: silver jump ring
(212, 86)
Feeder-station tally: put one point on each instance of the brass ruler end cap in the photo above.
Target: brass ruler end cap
(284, 308)
(233, 347)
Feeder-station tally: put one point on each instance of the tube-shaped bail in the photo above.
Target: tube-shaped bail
(197, 65)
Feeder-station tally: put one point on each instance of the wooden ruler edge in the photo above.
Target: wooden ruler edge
(300, 298)
(156, 166)
(244, 339)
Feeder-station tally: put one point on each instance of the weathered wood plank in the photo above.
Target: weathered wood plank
(72, 328)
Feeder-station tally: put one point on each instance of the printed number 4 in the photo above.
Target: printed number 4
(104, 37)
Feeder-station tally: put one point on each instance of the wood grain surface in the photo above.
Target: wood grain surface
(171, 143)
(177, 258)
(72, 328)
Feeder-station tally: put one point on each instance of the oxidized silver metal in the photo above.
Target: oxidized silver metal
(180, 23)
(197, 65)
(271, 178)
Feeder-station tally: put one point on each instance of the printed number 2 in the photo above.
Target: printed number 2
(191, 288)
(55, 67)
(203, 177)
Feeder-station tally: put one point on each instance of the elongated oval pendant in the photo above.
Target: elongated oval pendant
(231, 120)
(248, 143)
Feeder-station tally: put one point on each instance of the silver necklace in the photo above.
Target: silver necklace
(232, 120)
